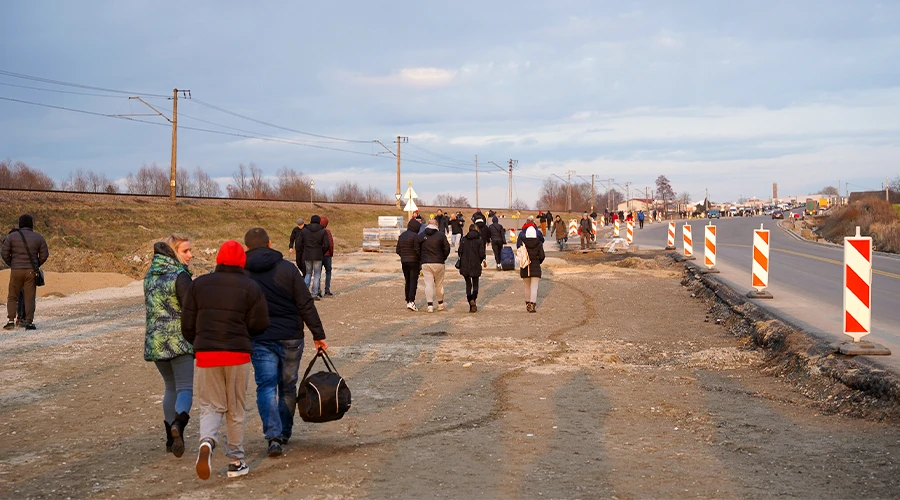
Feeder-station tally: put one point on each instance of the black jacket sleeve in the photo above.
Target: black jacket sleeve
(445, 247)
(182, 285)
(325, 244)
(417, 245)
(257, 316)
(541, 254)
(189, 316)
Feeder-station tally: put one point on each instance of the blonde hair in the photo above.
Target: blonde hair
(174, 240)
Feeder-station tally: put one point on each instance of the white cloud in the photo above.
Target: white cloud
(416, 77)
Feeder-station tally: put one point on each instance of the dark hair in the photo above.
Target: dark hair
(472, 227)
(256, 237)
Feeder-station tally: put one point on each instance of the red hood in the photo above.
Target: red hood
(324, 221)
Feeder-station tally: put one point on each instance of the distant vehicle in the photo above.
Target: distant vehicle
(714, 214)
(811, 207)
(732, 211)
(778, 214)
(748, 212)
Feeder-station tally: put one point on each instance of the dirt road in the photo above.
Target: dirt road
(618, 387)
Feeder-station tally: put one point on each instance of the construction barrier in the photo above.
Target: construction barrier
(857, 286)
(629, 231)
(688, 242)
(511, 236)
(709, 249)
(616, 228)
(670, 242)
(760, 268)
(573, 228)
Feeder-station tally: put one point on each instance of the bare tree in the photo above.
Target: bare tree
(830, 191)
(451, 200)
(153, 180)
(241, 186)
(519, 204)
(684, 199)
(292, 185)
(260, 189)
(664, 190)
(184, 186)
(88, 182)
(552, 195)
(205, 186)
(20, 176)
(348, 192)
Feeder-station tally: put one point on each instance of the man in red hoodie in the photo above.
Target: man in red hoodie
(326, 260)
(221, 312)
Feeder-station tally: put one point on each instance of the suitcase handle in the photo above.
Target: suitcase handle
(329, 365)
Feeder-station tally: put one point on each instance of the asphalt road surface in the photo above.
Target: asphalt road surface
(804, 277)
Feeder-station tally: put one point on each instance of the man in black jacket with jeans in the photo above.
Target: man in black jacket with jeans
(277, 352)
(498, 239)
(314, 244)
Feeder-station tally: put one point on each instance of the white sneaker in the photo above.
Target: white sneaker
(204, 460)
(411, 306)
(430, 309)
(441, 307)
(498, 267)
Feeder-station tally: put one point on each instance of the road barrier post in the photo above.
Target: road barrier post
(670, 241)
(616, 228)
(709, 249)
(573, 228)
(858, 297)
(759, 271)
(629, 231)
(688, 242)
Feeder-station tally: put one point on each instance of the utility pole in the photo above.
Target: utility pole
(592, 193)
(887, 196)
(174, 121)
(569, 191)
(400, 139)
(477, 205)
(510, 189)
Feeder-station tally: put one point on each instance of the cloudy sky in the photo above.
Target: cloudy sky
(725, 96)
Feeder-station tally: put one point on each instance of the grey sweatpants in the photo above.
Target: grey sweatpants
(222, 392)
(433, 275)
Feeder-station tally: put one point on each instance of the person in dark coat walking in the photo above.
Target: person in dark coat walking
(471, 260)
(315, 244)
(294, 245)
(409, 261)
(443, 221)
(222, 312)
(327, 259)
(277, 352)
(23, 252)
(498, 239)
(433, 249)
(561, 231)
(531, 274)
(457, 224)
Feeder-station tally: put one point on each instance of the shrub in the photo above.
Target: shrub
(864, 213)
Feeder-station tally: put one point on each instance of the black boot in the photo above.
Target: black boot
(181, 421)
(169, 440)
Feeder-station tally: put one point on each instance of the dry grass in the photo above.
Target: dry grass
(876, 218)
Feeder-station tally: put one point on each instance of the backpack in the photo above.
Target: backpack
(522, 257)
(322, 396)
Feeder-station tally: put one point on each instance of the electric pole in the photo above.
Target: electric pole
(477, 205)
(174, 121)
(569, 191)
(400, 139)
(510, 189)
(592, 193)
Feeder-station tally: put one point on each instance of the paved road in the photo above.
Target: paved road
(804, 277)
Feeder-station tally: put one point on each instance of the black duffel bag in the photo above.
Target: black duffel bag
(322, 396)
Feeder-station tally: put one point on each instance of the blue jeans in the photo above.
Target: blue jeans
(313, 277)
(178, 376)
(276, 366)
(326, 265)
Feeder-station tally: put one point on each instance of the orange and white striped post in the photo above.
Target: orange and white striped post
(629, 231)
(616, 229)
(670, 241)
(709, 249)
(858, 296)
(573, 228)
(688, 242)
(759, 270)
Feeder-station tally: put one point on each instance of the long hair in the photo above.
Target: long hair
(174, 240)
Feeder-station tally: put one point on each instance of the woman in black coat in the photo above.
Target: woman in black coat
(531, 274)
(471, 257)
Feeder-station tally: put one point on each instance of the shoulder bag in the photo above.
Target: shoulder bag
(38, 272)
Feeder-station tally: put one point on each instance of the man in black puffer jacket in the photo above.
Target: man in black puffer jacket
(221, 312)
(409, 261)
(433, 249)
(315, 244)
(277, 352)
(498, 238)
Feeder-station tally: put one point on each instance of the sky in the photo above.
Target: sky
(724, 97)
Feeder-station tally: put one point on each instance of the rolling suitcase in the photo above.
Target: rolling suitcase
(507, 259)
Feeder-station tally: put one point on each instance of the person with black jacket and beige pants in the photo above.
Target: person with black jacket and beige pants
(221, 313)
(24, 251)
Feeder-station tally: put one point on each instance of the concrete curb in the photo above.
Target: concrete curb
(845, 384)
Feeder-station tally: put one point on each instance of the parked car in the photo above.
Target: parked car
(778, 214)
(714, 214)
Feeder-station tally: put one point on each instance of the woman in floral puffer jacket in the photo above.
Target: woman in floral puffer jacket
(165, 287)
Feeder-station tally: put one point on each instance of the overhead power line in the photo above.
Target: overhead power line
(61, 91)
(76, 85)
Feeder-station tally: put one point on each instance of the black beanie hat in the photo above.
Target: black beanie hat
(26, 220)
(315, 219)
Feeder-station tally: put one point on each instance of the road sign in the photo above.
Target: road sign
(709, 249)
(410, 206)
(857, 286)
